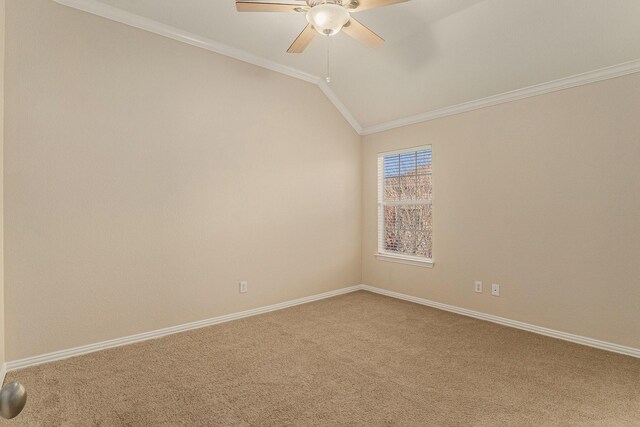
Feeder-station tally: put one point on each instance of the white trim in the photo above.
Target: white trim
(405, 150)
(97, 8)
(324, 87)
(425, 202)
(590, 342)
(614, 71)
(78, 351)
(3, 373)
(103, 10)
(405, 259)
(390, 256)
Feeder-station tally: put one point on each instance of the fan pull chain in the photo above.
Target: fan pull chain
(328, 76)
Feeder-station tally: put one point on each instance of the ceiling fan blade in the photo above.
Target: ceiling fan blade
(361, 33)
(252, 6)
(303, 40)
(372, 4)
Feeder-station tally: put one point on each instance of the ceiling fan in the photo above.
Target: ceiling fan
(326, 17)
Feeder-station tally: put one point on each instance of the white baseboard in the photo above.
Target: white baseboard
(78, 351)
(3, 373)
(603, 345)
(90, 348)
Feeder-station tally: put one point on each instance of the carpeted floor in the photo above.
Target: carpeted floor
(357, 359)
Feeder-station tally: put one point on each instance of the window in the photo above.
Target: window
(405, 219)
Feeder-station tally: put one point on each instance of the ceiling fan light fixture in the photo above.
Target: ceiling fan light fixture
(328, 18)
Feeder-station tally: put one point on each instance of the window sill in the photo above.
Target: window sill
(405, 259)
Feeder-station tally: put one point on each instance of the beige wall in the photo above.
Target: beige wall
(541, 196)
(2, 32)
(144, 178)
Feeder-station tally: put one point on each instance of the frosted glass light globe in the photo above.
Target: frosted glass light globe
(328, 19)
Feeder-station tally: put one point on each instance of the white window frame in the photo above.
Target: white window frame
(383, 255)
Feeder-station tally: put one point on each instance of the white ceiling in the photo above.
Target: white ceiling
(438, 53)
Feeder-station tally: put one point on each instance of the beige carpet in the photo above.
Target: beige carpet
(357, 359)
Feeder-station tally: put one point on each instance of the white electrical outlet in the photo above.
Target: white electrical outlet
(244, 287)
(495, 290)
(478, 287)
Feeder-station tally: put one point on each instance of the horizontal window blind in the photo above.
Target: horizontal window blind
(405, 217)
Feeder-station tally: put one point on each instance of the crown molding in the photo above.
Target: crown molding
(515, 95)
(324, 87)
(96, 7)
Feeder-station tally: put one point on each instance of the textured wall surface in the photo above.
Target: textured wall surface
(540, 196)
(2, 39)
(146, 177)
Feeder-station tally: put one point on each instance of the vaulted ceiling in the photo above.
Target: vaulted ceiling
(438, 53)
